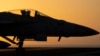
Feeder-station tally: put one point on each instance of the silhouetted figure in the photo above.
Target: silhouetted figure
(20, 51)
(21, 40)
(23, 12)
(28, 13)
(36, 13)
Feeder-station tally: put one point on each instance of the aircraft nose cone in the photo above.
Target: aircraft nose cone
(91, 32)
(87, 32)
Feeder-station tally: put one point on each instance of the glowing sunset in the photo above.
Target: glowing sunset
(82, 12)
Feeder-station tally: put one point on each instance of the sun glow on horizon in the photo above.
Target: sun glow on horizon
(83, 12)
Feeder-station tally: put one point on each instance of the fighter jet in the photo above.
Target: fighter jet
(32, 24)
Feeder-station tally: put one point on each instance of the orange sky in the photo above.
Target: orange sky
(84, 12)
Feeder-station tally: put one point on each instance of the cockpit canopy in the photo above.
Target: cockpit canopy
(32, 12)
(23, 16)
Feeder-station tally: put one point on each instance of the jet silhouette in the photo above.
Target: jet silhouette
(38, 26)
